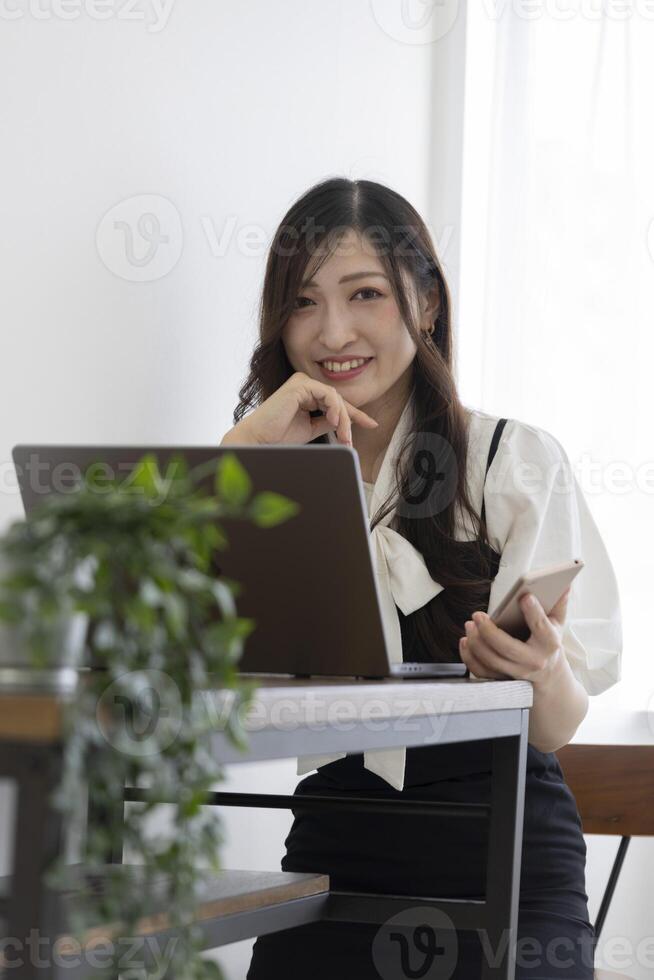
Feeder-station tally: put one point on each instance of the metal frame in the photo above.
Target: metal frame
(216, 932)
(616, 867)
(497, 915)
(38, 837)
(35, 769)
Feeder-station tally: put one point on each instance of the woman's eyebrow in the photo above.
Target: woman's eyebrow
(348, 278)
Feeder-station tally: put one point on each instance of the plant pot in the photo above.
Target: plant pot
(65, 648)
(65, 643)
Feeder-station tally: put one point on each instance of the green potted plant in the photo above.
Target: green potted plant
(132, 572)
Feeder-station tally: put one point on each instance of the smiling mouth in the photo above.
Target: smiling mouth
(340, 373)
(362, 361)
(329, 360)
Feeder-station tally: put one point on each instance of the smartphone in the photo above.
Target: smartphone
(547, 584)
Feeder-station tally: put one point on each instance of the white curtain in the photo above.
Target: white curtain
(556, 318)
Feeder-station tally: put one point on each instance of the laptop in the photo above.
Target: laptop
(308, 583)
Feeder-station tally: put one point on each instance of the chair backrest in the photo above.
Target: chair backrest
(613, 786)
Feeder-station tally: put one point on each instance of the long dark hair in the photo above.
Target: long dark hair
(317, 222)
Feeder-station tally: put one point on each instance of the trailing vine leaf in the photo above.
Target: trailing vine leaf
(147, 476)
(232, 482)
(268, 509)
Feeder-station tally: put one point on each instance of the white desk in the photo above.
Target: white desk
(290, 717)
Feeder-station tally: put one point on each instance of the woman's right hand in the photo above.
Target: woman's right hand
(284, 416)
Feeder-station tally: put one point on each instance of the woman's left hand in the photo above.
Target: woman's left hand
(489, 651)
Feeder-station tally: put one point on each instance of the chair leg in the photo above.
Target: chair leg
(610, 887)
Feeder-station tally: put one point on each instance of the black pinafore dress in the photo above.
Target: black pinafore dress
(413, 855)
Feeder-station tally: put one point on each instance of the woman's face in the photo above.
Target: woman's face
(349, 311)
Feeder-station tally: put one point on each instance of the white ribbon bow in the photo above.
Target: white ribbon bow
(403, 580)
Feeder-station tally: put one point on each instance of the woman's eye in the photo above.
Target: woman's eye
(365, 289)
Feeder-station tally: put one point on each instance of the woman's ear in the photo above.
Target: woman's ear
(430, 306)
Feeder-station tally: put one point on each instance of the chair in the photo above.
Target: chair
(614, 788)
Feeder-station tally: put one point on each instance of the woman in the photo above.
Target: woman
(352, 274)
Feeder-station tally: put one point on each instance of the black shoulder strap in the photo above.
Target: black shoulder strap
(499, 428)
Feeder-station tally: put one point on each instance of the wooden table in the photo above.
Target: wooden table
(288, 717)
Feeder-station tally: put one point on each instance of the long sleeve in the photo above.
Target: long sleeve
(539, 516)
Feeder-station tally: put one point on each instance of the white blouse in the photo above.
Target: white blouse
(536, 515)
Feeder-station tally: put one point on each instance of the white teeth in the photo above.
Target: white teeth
(345, 366)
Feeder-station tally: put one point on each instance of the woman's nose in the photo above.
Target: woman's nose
(336, 329)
